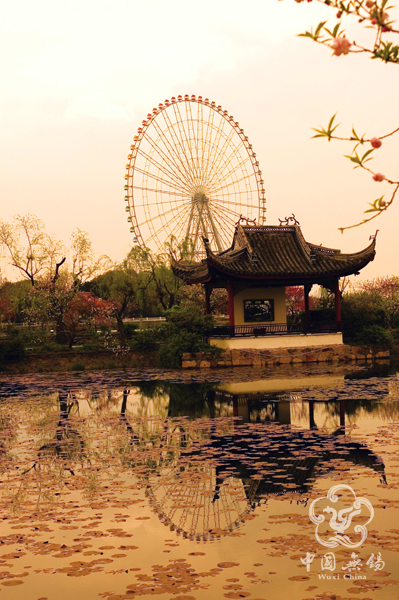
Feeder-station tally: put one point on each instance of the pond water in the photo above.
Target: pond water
(243, 483)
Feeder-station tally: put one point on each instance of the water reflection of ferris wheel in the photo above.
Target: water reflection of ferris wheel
(196, 504)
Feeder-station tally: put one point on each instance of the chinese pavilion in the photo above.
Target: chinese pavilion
(256, 269)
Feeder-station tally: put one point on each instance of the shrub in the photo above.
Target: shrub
(184, 332)
(375, 337)
(170, 354)
(359, 312)
(12, 351)
(146, 338)
(28, 336)
(77, 366)
(130, 330)
(189, 319)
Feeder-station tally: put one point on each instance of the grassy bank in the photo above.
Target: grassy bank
(75, 360)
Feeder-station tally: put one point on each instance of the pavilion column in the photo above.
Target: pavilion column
(230, 292)
(337, 304)
(235, 406)
(207, 299)
(342, 413)
(312, 423)
(307, 289)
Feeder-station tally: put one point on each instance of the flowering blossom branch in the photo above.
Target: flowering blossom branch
(379, 205)
(373, 15)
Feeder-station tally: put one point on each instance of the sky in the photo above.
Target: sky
(79, 76)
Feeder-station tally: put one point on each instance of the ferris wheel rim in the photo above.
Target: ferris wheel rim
(178, 190)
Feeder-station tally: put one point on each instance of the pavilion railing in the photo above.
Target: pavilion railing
(266, 329)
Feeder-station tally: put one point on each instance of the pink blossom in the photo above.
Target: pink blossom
(374, 21)
(341, 45)
(369, 3)
(376, 143)
(378, 177)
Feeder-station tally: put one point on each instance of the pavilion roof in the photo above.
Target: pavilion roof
(278, 254)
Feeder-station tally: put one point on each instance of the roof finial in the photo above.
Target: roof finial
(374, 237)
(247, 220)
(287, 221)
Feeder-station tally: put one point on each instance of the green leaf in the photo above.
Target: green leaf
(354, 159)
(375, 206)
(319, 28)
(320, 133)
(335, 30)
(362, 160)
(331, 121)
(306, 34)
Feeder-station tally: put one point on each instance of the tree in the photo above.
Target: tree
(166, 284)
(359, 311)
(84, 310)
(370, 14)
(7, 313)
(30, 249)
(158, 282)
(185, 331)
(125, 286)
(193, 296)
(55, 278)
(295, 303)
(385, 292)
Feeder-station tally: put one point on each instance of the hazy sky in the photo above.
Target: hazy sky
(78, 77)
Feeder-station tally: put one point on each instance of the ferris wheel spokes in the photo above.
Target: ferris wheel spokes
(191, 174)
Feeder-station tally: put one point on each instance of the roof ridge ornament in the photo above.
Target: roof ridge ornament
(288, 221)
(374, 237)
(248, 221)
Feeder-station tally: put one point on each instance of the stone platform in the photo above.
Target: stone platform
(280, 356)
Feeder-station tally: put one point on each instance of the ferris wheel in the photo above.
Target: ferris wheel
(190, 501)
(191, 173)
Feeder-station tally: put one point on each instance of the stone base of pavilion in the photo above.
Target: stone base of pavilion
(278, 341)
(263, 357)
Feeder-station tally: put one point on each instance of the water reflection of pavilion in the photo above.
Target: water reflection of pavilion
(273, 400)
(219, 479)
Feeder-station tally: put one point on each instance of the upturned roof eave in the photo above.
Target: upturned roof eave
(224, 264)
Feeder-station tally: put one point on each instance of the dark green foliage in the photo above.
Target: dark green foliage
(318, 315)
(189, 319)
(360, 311)
(12, 351)
(130, 330)
(28, 336)
(185, 330)
(146, 338)
(376, 337)
(78, 366)
(170, 354)
(19, 294)
(194, 400)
